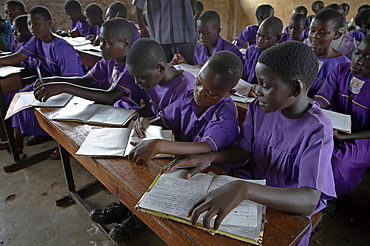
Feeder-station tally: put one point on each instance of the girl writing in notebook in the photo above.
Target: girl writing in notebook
(285, 140)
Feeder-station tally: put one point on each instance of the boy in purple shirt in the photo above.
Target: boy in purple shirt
(347, 91)
(297, 30)
(363, 21)
(268, 34)
(323, 29)
(146, 61)
(118, 9)
(285, 140)
(121, 91)
(56, 57)
(203, 119)
(208, 28)
(249, 33)
(80, 28)
(94, 16)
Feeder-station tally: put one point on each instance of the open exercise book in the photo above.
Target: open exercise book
(116, 142)
(341, 122)
(96, 114)
(171, 196)
(23, 100)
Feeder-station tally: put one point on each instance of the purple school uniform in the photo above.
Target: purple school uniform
(325, 68)
(358, 35)
(350, 158)
(285, 36)
(250, 61)
(136, 31)
(83, 28)
(163, 95)
(96, 30)
(201, 53)
(57, 58)
(217, 126)
(289, 153)
(247, 35)
(345, 45)
(117, 76)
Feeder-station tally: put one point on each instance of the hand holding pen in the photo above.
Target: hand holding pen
(141, 124)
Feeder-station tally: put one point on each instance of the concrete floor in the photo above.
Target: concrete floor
(29, 216)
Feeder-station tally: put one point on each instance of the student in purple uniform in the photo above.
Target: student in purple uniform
(203, 119)
(285, 140)
(146, 61)
(296, 30)
(56, 57)
(347, 91)
(298, 10)
(323, 29)
(316, 7)
(118, 9)
(94, 16)
(363, 21)
(249, 33)
(80, 28)
(208, 28)
(115, 39)
(268, 34)
(13, 9)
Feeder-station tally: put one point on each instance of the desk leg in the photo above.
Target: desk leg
(75, 196)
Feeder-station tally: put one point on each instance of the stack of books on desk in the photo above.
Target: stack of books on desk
(171, 196)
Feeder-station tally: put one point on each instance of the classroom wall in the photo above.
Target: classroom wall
(235, 14)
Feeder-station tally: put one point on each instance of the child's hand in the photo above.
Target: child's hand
(217, 202)
(74, 34)
(144, 110)
(144, 151)
(140, 125)
(45, 91)
(91, 38)
(96, 41)
(253, 91)
(178, 59)
(200, 162)
(200, 65)
(144, 33)
(44, 81)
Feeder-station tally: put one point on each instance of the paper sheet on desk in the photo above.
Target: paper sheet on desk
(77, 41)
(189, 68)
(88, 47)
(9, 70)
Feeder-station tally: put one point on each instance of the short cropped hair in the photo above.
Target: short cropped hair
(291, 61)
(18, 4)
(199, 6)
(72, 4)
(301, 9)
(362, 17)
(317, 4)
(94, 10)
(226, 64)
(298, 18)
(118, 7)
(211, 17)
(274, 25)
(146, 53)
(264, 9)
(330, 15)
(39, 10)
(21, 20)
(120, 28)
(363, 7)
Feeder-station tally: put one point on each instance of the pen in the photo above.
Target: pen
(192, 166)
(154, 120)
(39, 74)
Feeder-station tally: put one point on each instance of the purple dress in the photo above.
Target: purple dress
(289, 153)
(358, 35)
(57, 58)
(163, 95)
(95, 30)
(247, 35)
(346, 93)
(325, 68)
(83, 28)
(201, 53)
(117, 76)
(345, 45)
(250, 61)
(217, 126)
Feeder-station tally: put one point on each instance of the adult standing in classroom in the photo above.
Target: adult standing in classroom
(170, 23)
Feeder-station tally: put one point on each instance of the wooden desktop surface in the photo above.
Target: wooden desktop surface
(128, 181)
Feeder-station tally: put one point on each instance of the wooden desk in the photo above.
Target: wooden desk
(128, 181)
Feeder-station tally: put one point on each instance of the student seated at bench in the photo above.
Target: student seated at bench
(209, 28)
(204, 119)
(284, 139)
(56, 56)
(80, 27)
